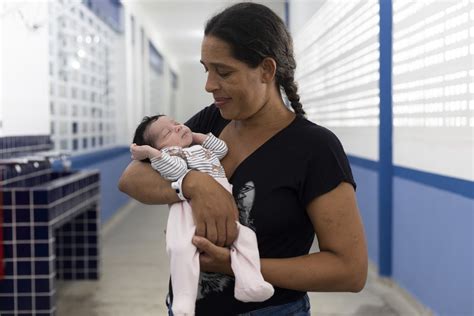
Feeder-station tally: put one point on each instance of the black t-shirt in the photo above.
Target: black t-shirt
(272, 188)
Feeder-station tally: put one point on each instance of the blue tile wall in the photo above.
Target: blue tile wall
(15, 146)
(50, 228)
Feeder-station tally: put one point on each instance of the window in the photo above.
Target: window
(74, 127)
(63, 144)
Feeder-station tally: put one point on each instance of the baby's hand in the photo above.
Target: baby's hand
(199, 138)
(143, 152)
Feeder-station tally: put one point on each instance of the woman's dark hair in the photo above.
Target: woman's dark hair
(254, 33)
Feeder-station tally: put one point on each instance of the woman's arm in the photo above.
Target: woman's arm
(213, 206)
(144, 184)
(341, 265)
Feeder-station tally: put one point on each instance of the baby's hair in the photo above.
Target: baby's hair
(141, 135)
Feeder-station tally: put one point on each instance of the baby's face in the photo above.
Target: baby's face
(166, 132)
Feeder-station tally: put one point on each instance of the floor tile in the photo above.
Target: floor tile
(135, 274)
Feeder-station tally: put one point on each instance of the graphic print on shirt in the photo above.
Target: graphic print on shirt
(245, 198)
(216, 282)
(212, 282)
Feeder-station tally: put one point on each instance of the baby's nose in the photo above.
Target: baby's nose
(178, 128)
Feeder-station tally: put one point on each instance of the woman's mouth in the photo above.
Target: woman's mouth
(219, 102)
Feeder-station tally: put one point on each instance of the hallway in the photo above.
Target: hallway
(134, 277)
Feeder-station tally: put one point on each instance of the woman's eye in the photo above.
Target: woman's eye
(224, 74)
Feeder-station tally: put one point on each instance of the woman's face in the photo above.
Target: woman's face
(166, 132)
(238, 90)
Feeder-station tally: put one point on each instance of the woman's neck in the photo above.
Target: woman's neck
(270, 116)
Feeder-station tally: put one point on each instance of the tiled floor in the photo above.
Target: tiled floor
(134, 279)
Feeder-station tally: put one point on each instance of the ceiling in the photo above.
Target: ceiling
(180, 23)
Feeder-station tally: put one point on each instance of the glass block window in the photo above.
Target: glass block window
(337, 54)
(433, 86)
(83, 83)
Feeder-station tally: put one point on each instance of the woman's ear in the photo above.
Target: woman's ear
(268, 66)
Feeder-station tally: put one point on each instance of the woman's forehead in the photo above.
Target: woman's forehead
(214, 49)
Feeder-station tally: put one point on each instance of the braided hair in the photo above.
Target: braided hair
(254, 33)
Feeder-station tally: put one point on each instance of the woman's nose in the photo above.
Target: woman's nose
(211, 83)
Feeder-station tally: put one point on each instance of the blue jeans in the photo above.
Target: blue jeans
(300, 307)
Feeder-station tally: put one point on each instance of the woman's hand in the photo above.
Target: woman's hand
(213, 258)
(214, 209)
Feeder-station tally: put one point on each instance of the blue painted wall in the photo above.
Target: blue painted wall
(110, 163)
(111, 198)
(433, 246)
(432, 249)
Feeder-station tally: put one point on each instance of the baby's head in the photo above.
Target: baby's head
(161, 131)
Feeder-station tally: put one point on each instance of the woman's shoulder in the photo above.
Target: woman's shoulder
(313, 134)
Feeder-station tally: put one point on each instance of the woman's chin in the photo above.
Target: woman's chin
(226, 114)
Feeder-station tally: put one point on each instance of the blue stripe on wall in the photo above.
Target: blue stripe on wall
(287, 13)
(445, 183)
(85, 160)
(363, 163)
(385, 140)
(454, 185)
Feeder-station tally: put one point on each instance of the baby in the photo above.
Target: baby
(173, 149)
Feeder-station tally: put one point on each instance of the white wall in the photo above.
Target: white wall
(301, 11)
(194, 97)
(337, 55)
(433, 89)
(138, 71)
(24, 70)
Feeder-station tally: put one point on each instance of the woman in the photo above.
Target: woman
(291, 178)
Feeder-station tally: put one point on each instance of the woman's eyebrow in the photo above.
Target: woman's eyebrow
(217, 65)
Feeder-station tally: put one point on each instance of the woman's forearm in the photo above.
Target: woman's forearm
(213, 206)
(322, 271)
(144, 184)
